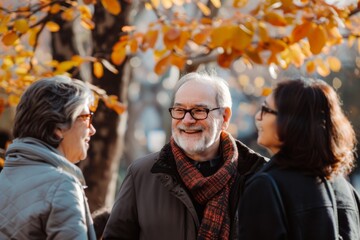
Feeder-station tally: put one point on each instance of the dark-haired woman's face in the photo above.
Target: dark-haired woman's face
(265, 120)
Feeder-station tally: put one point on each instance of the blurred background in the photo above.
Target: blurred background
(112, 45)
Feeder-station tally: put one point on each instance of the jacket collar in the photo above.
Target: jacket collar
(248, 160)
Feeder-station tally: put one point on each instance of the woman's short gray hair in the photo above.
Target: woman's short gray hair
(49, 104)
(223, 96)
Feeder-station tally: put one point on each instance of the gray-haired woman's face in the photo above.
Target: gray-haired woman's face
(75, 141)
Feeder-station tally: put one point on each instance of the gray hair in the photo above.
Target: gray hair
(49, 104)
(223, 96)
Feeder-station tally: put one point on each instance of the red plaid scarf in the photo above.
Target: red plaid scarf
(213, 191)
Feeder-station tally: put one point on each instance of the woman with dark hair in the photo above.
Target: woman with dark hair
(302, 192)
(42, 190)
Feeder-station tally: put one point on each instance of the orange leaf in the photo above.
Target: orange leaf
(301, 31)
(149, 39)
(171, 37)
(275, 19)
(162, 65)
(98, 69)
(10, 38)
(317, 39)
(277, 45)
(65, 66)
(113, 103)
(68, 14)
(239, 3)
(266, 91)
(133, 46)
(177, 61)
(334, 63)
(202, 36)
(52, 26)
(118, 56)
(55, 8)
(310, 66)
(21, 25)
(225, 60)
(112, 6)
(254, 56)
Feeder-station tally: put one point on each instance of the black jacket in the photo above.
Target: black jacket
(154, 204)
(308, 207)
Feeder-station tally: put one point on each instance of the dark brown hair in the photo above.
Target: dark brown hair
(317, 137)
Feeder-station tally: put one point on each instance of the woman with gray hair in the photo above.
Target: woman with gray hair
(42, 190)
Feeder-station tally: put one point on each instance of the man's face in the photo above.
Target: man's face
(198, 138)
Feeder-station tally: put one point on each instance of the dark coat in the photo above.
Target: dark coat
(153, 203)
(308, 207)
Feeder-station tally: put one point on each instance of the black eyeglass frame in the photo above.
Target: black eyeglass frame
(265, 109)
(88, 116)
(191, 111)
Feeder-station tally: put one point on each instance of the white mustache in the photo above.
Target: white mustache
(190, 128)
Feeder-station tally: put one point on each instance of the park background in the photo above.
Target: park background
(133, 52)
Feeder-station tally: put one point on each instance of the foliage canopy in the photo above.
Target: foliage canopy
(277, 33)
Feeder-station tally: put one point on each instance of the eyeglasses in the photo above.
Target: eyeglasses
(196, 113)
(86, 117)
(265, 109)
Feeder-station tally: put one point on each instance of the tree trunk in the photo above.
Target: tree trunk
(107, 144)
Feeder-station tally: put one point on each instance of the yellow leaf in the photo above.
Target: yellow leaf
(317, 39)
(263, 31)
(52, 26)
(55, 8)
(98, 69)
(277, 45)
(239, 3)
(297, 57)
(240, 39)
(351, 40)
(85, 11)
(13, 100)
(162, 65)
(21, 25)
(334, 63)
(68, 14)
(322, 69)
(219, 36)
(87, 23)
(33, 36)
(65, 66)
(301, 31)
(275, 19)
(118, 56)
(203, 8)
(112, 6)
(216, 3)
(10, 38)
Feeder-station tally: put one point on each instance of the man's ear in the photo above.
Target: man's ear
(226, 117)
